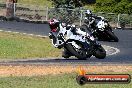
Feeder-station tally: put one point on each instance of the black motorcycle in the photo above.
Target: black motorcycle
(100, 29)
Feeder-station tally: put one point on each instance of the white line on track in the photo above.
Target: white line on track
(15, 32)
(113, 53)
(31, 34)
(24, 33)
(9, 31)
(1, 30)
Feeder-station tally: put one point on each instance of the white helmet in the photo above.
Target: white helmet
(88, 12)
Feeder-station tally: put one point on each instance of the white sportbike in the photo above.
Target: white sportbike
(74, 41)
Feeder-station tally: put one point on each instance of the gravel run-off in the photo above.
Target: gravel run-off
(31, 70)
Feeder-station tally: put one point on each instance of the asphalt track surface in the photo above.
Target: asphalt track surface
(22, 27)
(124, 45)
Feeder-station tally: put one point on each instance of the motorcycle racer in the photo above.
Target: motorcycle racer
(55, 27)
(90, 17)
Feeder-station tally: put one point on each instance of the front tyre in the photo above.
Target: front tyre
(100, 52)
(66, 53)
(113, 36)
(80, 53)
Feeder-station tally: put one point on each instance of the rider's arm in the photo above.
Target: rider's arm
(79, 31)
(86, 20)
(85, 34)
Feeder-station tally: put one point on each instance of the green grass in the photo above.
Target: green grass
(50, 81)
(36, 2)
(18, 46)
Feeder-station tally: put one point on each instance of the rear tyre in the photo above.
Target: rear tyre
(79, 53)
(100, 52)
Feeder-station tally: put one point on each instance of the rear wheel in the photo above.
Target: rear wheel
(77, 49)
(100, 52)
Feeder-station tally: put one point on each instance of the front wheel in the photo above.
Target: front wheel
(66, 53)
(77, 49)
(113, 36)
(100, 52)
